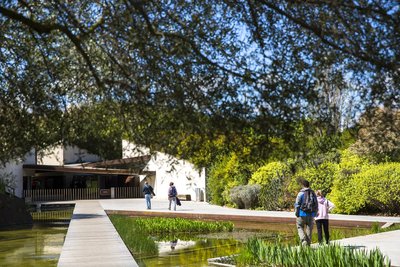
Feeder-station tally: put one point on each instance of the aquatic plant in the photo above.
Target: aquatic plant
(138, 233)
(174, 225)
(259, 253)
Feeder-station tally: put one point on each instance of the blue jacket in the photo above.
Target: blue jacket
(148, 190)
(297, 204)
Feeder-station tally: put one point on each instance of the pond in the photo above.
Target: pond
(37, 246)
(193, 252)
(197, 249)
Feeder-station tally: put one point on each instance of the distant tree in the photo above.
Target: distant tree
(379, 134)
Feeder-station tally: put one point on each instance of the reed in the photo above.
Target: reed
(259, 253)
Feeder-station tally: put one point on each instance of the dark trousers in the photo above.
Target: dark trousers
(323, 223)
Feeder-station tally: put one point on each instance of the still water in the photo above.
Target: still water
(37, 246)
(42, 244)
(194, 251)
(190, 253)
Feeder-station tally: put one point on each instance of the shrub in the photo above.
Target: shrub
(268, 172)
(273, 178)
(374, 189)
(7, 179)
(226, 173)
(245, 196)
(320, 178)
(351, 163)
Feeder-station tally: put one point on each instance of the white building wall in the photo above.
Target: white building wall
(51, 156)
(73, 154)
(130, 150)
(169, 169)
(60, 155)
(30, 158)
(13, 172)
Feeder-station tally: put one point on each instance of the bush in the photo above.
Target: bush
(351, 163)
(273, 178)
(320, 178)
(226, 173)
(245, 196)
(268, 172)
(375, 189)
(7, 179)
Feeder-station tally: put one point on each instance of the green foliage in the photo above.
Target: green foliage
(379, 134)
(102, 136)
(245, 196)
(320, 177)
(374, 189)
(268, 172)
(226, 173)
(189, 71)
(351, 163)
(259, 253)
(273, 178)
(137, 232)
(135, 236)
(175, 225)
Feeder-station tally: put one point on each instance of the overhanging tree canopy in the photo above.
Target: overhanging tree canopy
(181, 68)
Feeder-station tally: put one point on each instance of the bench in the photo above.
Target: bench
(185, 197)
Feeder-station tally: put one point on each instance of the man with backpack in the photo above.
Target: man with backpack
(148, 192)
(172, 193)
(306, 208)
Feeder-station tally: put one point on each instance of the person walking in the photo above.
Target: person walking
(148, 192)
(322, 219)
(172, 193)
(306, 207)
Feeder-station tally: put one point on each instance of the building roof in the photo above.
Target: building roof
(129, 166)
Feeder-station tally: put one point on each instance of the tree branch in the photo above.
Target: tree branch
(47, 28)
(390, 65)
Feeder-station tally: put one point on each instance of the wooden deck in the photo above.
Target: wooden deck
(92, 239)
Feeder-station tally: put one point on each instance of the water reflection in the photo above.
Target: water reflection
(190, 252)
(32, 247)
(39, 246)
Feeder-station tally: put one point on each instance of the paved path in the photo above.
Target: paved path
(206, 208)
(92, 240)
(388, 243)
(86, 246)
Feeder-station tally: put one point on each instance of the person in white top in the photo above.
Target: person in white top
(322, 219)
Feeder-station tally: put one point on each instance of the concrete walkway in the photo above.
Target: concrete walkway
(93, 241)
(388, 243)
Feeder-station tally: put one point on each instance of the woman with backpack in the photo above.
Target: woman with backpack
(322, 219)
